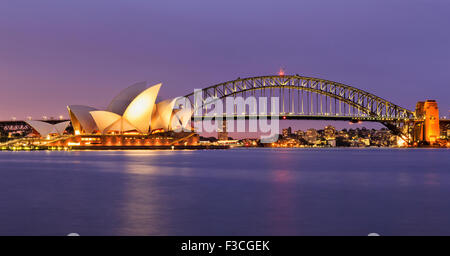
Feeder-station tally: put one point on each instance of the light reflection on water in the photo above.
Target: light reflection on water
(226, 192)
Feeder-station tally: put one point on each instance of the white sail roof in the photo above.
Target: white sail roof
(181, 119)
(44, 128)
(82, 120)
(120, 103)
(162, 115)
(61, 127)
(136, 116)
(108, 121)
(104, 119)
(139, 112)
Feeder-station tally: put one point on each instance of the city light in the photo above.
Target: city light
(401, 142)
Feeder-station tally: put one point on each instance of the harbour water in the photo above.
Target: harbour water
(226, 192)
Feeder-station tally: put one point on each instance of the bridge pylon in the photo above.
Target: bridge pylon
(426, 126)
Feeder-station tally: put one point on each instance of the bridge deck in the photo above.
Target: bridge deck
(292, 116)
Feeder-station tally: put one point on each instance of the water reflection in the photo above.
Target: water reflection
(281, 202)
(226, 192)
(140, 212)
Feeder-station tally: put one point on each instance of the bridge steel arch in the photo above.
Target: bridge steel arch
(342, 102)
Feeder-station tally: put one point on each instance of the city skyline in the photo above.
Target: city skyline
(51, 57)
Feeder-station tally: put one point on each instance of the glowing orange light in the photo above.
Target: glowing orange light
(284, 117)
(281, 72)
(401, 142)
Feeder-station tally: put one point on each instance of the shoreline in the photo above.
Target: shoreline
(105, 148)
(179, 147)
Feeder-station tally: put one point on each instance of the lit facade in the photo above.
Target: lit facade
(432, 130)
(128, 141)
(134, 118)
(428, 130)
(133, 110)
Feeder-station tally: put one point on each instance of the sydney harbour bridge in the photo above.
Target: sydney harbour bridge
(299, 98)
(308, 98)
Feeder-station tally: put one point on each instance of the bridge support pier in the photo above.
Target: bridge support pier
(426, 128)
(403, 129)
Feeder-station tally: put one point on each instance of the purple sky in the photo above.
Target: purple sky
(54, 53)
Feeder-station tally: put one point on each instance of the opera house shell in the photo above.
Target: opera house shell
(133, 110)
(44, 129)
(82, 121)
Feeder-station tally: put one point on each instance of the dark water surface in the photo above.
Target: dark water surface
(226, 192)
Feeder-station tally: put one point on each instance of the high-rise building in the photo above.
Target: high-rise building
(287, 132)
(432, 130)
(428, 130)
(299, 133)
(329, 132)
(311, 135)
(419, 127)
(222, 133)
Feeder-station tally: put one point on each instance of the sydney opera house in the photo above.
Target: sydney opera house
(134, 118)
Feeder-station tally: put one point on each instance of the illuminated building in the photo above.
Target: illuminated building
(112, 141)
(133, 118)
(330, 132)
(428, 130)
(133, 110)
(311, 136)
(222, 132)
(431, 121)
(418, 131)
(287, 132)
(130, 112)
(299, 134)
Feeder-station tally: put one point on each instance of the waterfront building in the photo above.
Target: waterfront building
(428, 130)
(133, 110)
(329, 132)
(300, 134)
(287, 132)
(331, 143)
(134, 118)
(222, 134)
(45, 129)
(311, 136)
(129, 113)
(250, 142)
